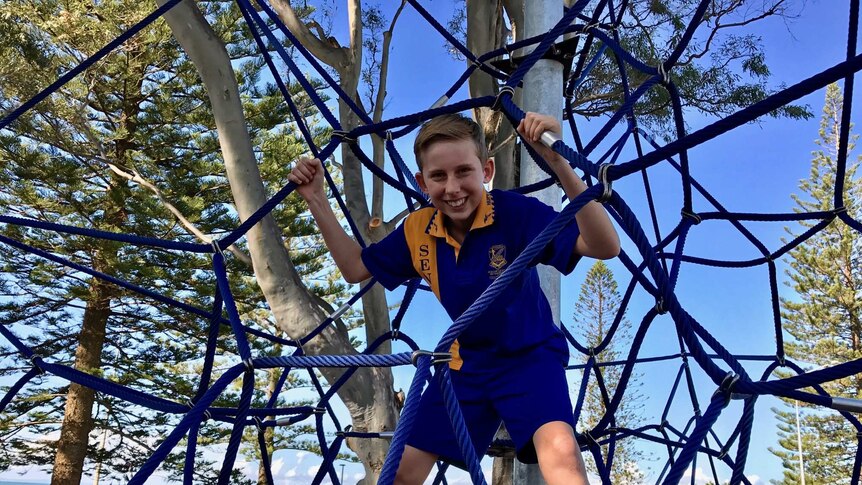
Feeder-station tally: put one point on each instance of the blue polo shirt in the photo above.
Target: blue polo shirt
(505, 223)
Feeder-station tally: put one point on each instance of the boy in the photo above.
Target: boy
(509, 363)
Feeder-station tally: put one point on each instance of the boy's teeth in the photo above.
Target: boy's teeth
(457, 203)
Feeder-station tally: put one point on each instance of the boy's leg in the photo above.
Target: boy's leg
(414, 467)
(559, 455)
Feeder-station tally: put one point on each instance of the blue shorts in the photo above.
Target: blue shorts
(525, 392)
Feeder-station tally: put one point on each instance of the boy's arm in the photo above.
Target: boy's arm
(598, 238)
(308, 175)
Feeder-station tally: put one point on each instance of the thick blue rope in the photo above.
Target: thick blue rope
(691, 334)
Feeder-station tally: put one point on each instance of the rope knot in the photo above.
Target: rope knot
(498, 102)
(607, 184)
(839, 210)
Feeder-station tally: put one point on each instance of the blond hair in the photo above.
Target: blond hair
(449, 127)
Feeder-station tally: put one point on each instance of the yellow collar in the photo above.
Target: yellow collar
(484, 217)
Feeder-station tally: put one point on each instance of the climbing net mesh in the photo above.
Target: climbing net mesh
(656, 273)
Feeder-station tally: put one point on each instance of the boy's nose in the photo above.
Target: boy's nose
(452, 186)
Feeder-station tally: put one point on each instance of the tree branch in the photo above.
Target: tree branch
(332, 55)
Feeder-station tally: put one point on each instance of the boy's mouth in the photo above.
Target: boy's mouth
(456, 203)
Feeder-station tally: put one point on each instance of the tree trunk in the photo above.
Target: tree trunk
(78, 419)
(486, 31)
(368, 394)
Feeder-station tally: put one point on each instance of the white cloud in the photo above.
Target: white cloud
(312, 470)
(276, 466)
(291, 473)
(300, 455)
(700, 478)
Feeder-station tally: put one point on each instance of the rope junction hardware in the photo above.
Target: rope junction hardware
(652, 275)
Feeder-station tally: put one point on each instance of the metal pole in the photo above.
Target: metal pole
(341, 480)
(543, 93)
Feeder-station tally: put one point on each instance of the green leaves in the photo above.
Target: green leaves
(824, 317)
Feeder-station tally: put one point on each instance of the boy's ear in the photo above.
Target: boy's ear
(488, 170)
(421, 181)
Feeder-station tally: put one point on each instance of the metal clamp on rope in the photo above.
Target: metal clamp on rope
(319, 410)
(190, 403)
(343, 135)
(723, 453)
(659, 306)
(664, 73)
(607, 185)
(498, 103)
(249, 364)
(692, 215)
(847, 404)
(839, 210)
(207, 416)
(341, 311)
(548, 138)
(258, 423)
(726, 387)
(396, 332)
(216, 248)
(346, 430)
(436, 357)
(589, 439)
(36, 365)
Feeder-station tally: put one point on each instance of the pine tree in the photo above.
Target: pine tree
(824, 317)
(128, 146)
(597, 307)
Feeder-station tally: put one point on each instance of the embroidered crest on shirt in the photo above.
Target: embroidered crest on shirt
(497, 260)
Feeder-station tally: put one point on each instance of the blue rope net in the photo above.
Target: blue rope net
(656, 274)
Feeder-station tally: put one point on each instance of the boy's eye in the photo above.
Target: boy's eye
(464, 170)
(437, 176)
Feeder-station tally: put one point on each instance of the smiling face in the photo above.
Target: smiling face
(452, 175)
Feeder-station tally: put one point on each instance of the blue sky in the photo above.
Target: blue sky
(753, 169)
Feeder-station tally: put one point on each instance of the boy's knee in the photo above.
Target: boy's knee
(556, 441)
